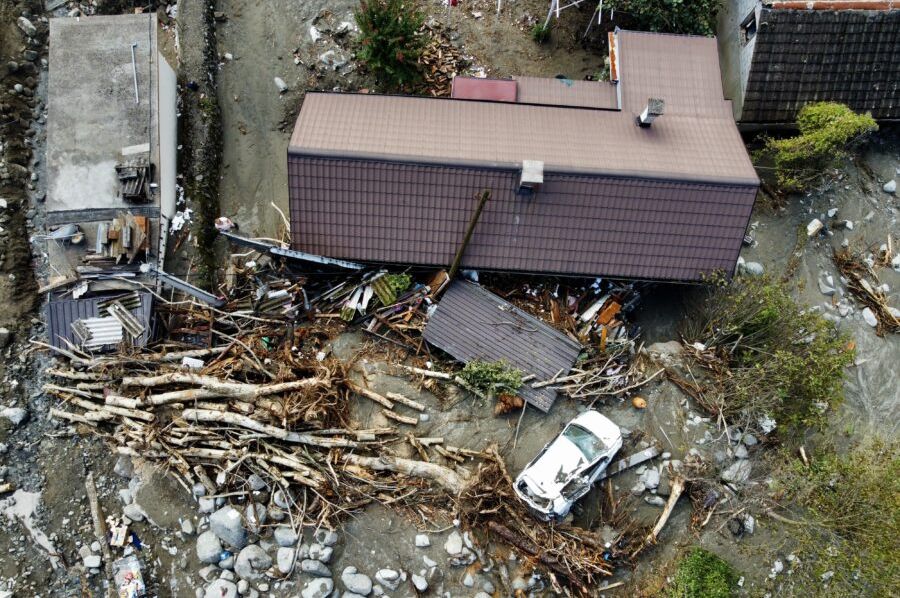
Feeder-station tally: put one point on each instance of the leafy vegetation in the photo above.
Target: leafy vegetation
(828, 133)
(697, 17)
(848, 541)
(702, 574)
(772, 358)
(390, 42)
(540, 33)
(492, 377)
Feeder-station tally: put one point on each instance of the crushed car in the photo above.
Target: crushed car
(568, 466)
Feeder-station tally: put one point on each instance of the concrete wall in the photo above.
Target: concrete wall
(734, 55)
(168, 151)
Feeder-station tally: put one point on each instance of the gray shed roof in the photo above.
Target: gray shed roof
(61, 313)
(471, 323)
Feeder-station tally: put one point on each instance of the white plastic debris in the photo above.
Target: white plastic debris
(192, 362)
(281, 85)
(314, 34)
(814, 226)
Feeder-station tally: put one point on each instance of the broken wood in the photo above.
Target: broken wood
(99, 527)
(399, 398)
(678, 486)
(242, 421)
(370, 394)
(412, 421)
(447, 478)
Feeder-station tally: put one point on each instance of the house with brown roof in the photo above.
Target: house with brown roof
(643, 177)
(779, 55)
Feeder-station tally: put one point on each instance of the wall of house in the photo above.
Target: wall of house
(735, 55)
(392, 212)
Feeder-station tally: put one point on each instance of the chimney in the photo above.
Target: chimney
(532, 176)
(655, 107)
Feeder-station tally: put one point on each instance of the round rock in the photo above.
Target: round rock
(356, 582)
(251, 562)
(318, 588)
(209, 548)
(221, 588)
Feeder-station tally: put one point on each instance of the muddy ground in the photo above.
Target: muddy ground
(47, 520)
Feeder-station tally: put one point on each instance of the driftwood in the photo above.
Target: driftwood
(411, 421)
(676, 491)
(527, 546)
(242, 421)
(449, 479)
(370, 394)
(215, 387)
(399, 398)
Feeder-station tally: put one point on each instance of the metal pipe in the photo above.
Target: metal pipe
(137, 99)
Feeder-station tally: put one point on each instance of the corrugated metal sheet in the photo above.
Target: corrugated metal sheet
(567, 92)
(417, 214)
(61, 313)
(803, 56)
(471, 323)
(103, 332)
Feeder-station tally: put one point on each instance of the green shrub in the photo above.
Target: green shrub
(390, 43)
(780, 359)
(492, 377)
(852, 504)
(540, 33)
(828, 132)
(701, 574)
(697, 17)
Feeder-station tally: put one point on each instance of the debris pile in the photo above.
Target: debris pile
(862, 282)
(441, 61)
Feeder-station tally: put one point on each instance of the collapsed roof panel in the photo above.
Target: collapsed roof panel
(471, 323)
(100, 322)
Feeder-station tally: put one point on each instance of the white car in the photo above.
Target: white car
(568, 466)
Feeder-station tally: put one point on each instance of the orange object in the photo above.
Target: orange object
(639, 403)
(608, 312)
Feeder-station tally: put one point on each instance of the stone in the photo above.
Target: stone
(124, 467)
(422, 541)
(814, 227)
(324, 553)
(749, 523)
(482, 595)
(832, 212)
(825, 289)
(650, 479)
(419, 582)
(251, 561)
(198, 490)
(389, 578)
(227, 562)
(281, 499)
(242, 586)
(468, 580)
(134, 512)
(281, 85)
(27, 27)
(326, 537)
(429, 562)
(665, 485)
(313, 567)
(187, 527)
(454, 543)
(356, 582)
(848, 224)
(890, 186)
(92, 561)
(209, 547)
(753, 269)
(656, 501)
(206, 505)
(256, 482)
(285, 536)
(221, 588)
(227, 525)
(256, 517)
(317, 588)
(737, 472)
(16, 415)
(740, 452)
(284, 558)
(125, 496)
(749, 440)
(869, 317)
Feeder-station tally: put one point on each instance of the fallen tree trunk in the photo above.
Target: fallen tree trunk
(443, 476)
(215, 387)
(676, 490)
(369, 394)
(242, 421)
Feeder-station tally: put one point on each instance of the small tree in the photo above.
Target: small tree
(828, 132)
(390, 43)
(702, 574)
(696, 17)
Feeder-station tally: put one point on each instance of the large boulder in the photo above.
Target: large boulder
(251, 562)
(209, 548)
(221, 588)
(318, 588)
(356, 582)
(227, 525)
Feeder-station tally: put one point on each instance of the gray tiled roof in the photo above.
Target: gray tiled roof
(803, 56)
(471, 323)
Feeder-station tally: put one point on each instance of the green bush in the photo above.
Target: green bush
(540, 33)
(492, 377)
(390, 43)
(852, 504)
(701, 574)
(697, 17)
(782, 360)
(828, 132)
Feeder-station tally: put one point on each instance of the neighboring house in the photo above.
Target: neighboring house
(111, 150)
(578, 186)
(778, 56)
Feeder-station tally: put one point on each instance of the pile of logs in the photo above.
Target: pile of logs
(441, 61)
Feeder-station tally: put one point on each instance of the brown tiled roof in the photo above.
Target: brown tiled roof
(803, 56)
(392, 179)
(567, 92)
(471, 323)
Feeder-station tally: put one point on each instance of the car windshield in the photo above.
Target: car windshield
(589, 445)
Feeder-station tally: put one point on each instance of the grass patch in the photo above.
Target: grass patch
(492, 377)
(849, 538)
(540, 34)
(702, 574)
(767, 356)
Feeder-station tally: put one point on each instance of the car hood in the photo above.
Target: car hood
(545, 477)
